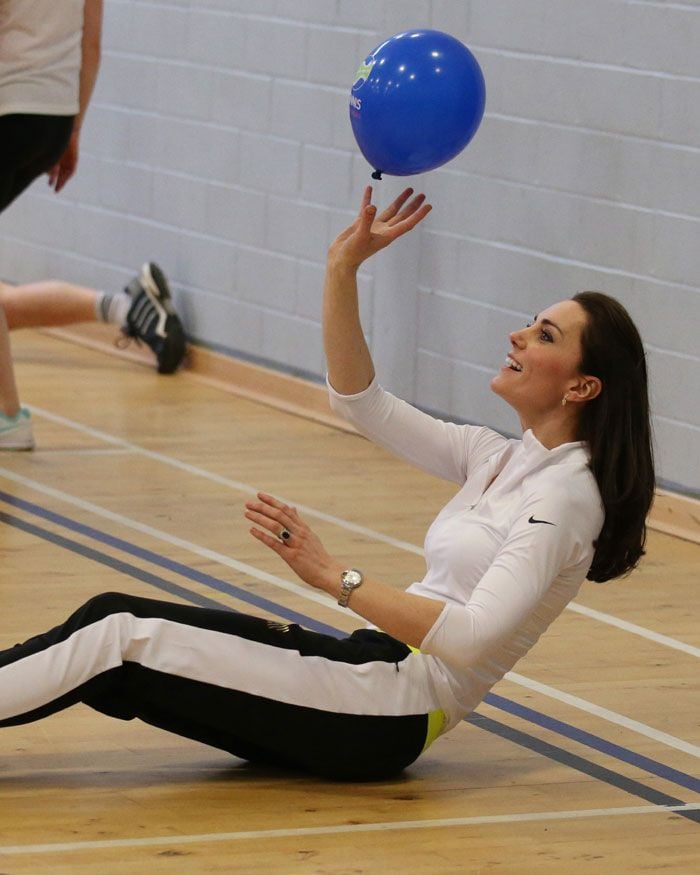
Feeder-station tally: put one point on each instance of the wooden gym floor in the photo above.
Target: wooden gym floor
(585, 760)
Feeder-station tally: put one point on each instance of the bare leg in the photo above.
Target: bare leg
(47, 303)
(9, 399)
(143, 310)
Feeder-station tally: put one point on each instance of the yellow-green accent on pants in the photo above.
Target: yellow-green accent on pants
(437, 720)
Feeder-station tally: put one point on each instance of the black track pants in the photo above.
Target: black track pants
(357, 708)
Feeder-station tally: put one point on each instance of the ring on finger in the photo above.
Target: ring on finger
(284, 535)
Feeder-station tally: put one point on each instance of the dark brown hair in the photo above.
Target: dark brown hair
(616, 425)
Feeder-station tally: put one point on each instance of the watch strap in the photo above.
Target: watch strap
(350, 580)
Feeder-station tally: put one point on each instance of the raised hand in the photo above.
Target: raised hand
(371, 232)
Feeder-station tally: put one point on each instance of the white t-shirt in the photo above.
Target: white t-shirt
(506, 558)
(40, 56)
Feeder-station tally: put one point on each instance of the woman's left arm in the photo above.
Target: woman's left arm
(91, 50)
(403, 615)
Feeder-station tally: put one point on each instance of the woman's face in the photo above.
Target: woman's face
(543, 362)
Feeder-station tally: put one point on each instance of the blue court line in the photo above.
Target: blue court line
(594, 741)
(573, 761)
(171, 565)
(567, 730)
(116, 564)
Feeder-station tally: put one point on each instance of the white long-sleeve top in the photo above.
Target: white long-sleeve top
(505, 555)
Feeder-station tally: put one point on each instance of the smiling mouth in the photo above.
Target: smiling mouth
(512, 364)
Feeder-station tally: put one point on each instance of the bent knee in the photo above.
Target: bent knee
(105, 603)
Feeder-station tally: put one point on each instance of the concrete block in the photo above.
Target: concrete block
(105, 133)
(236, 214)
(159, 30)
(667, 315)
(241, 101)
(676, 456)
(129, 82)
(662, 37)
(184, 91)
(325, 175)
(150, 241)
(23, 261)
(672, 250)
(407, 15)
(180, 201)
(590, 97)
(434, 379)
(438, 261)
(464, 330)
(206, 264)
(680, 113)
(216, 38)
(334, 54)
(117, 26)
(309, 289)
(276, 47)
(232, 326)
(267, 279)
(672, 375)
(453, 18)
(302, 111)
(271, 165)
(293, 343)
(202, 150)
(361, 15)
(473, 401)
(85, 186)
(125, 188)
(297, 228)
(310, 11)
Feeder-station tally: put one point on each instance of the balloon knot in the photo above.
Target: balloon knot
(377, 174)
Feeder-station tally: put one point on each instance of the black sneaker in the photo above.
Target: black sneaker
(153, 319)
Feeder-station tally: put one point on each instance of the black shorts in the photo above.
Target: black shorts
(29, 146)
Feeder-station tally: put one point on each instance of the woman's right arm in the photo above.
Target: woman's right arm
(350, 367)
(438, 447)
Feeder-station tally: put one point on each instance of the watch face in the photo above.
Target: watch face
(352, 577)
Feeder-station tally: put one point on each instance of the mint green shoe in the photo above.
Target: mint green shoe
(16, 431)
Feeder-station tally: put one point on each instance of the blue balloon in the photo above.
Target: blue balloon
(416, 102)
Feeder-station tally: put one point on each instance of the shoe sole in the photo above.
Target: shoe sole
(19, 446)
(169, 326)
(18, 437)
(156, 287)
(168, 364)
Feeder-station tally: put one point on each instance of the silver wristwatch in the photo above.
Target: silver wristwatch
(349, 581)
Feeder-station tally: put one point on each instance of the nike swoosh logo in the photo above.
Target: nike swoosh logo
(543, 522)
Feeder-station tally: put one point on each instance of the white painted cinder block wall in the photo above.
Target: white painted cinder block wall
(218, 144)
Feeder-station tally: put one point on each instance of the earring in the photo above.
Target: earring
(563, 401)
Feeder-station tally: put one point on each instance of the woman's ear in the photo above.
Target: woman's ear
(586, 389)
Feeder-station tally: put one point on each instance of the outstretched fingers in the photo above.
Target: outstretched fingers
(409, 209)
(271, 515)
(410, 217)
(395, 206)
